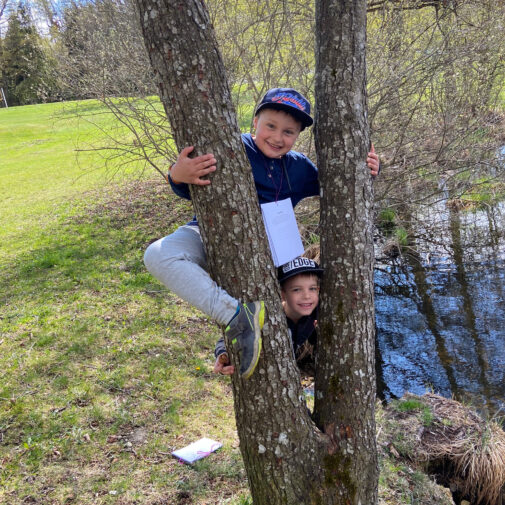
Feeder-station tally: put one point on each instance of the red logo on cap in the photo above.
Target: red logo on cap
(290, 99)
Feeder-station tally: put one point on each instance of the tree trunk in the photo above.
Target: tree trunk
(345, 373)
(288, 460)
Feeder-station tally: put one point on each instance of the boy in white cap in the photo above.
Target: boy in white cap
(178, 260)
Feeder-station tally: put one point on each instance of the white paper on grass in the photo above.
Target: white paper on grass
(197, 450)
(282, 231)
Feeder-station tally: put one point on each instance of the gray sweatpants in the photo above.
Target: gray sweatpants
(178, 261)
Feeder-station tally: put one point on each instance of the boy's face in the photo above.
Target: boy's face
(276, 132)
(300, 296)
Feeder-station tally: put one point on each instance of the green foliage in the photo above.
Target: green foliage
(103, 52)
(386, 220)
(387, 217)
(402, 236)
(242, 500)
(410, 405)
(485, 192)
(265, 47)
(25, 64)
(435, 82)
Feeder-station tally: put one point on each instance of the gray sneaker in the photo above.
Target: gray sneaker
(244, 330)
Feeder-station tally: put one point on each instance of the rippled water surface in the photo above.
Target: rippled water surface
(440, 312)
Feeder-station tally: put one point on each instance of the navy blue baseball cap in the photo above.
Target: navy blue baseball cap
(298, 266)
(290, 101)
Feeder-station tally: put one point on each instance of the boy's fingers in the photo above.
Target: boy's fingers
(207, 170)
(224, 359)
(206, 163)
(196, 178)
(373, 162)
(222, 365)
(204, 158)
(186, 151)
(200, 182)
(218, 366)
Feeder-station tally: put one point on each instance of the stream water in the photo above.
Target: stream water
(440, 310)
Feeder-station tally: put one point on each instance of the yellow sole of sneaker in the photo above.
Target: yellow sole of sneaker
(260, 321)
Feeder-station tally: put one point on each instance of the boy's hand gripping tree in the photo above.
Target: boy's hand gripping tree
(288, 458)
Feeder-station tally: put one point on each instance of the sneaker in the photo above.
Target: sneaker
(244, 330)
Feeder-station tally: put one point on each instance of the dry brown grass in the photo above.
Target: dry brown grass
(313, 252)
(467, 452)
(475, 448)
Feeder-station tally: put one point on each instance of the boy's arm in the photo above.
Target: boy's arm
(181, 189)
(220, 347)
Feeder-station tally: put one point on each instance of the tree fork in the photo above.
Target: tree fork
(287, 458)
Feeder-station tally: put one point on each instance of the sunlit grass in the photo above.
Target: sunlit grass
(41, 168)
(103, 372)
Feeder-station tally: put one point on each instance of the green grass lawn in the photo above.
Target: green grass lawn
(41, 172)
(102, 372)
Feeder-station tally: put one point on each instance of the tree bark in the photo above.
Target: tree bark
(345, 373)
(288, 460)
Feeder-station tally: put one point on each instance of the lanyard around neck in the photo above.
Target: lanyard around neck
(270, 175)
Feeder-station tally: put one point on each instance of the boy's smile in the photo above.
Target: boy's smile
(276, 132)
(300, 296)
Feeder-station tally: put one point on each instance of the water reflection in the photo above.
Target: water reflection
(440, 311)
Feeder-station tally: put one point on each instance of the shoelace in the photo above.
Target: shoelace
(250, 315)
